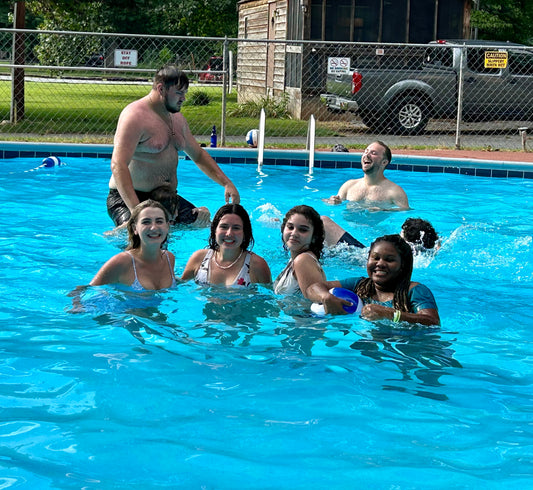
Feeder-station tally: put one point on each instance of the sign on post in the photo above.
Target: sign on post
(495, 59)
(338, 66)
(125, 57)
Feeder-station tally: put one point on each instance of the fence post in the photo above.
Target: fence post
(459, 101)
(224, 90)
(17, 74)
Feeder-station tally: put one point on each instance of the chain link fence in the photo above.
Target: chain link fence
(73, 85)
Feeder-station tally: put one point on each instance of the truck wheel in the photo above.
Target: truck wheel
(411, 115)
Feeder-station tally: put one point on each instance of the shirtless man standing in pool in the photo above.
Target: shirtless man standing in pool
(373, 189)
(150, 132)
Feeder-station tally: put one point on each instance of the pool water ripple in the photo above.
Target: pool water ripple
(203, 387)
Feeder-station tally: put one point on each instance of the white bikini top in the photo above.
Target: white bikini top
(242, 278)
(136, 285)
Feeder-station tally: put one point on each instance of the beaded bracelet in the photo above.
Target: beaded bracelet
(397, 315)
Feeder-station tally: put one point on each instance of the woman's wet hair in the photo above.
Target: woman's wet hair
(420, 233)
(134, 239)
(317, 241)
(246, 225)
(367, 289)
(170, 75)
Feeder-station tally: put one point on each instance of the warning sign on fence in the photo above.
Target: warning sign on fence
(125, 57)
(495, 59)
(338, 66)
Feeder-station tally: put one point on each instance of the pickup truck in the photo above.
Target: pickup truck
(402, 97)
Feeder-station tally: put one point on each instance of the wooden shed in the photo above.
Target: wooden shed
(268, 66)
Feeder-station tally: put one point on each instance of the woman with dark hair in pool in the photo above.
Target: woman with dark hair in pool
(144, 265)
(227, 261)
(387, 292)
(302, 232)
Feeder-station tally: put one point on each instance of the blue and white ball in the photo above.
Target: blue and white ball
(355, 307)
(51, 162)
(252, 137)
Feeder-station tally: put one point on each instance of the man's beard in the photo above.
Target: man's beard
(169, 108)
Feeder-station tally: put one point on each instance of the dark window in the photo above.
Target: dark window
(476, 61)
(338, 18)
(439, 57)
(520, 63)
(316, 19)
(450, 19)
(366, 21)
(421, 21)
(394, 21)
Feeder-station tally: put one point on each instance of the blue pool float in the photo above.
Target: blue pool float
(355, 307)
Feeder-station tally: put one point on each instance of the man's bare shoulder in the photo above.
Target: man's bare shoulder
(352, 185)
(352, 182)
(136, 107)
(393, 187)
(396, 194)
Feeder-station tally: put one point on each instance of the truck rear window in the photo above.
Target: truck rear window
(520, 63)
(476, 61)
(439, 57)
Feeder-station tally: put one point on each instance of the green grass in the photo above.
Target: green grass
(89, 112)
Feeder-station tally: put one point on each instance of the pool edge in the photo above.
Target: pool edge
(322, 159)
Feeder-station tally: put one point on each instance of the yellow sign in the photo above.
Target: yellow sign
(495, 59)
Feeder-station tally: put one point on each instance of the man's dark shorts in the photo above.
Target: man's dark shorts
(119, 212)
(350, 240)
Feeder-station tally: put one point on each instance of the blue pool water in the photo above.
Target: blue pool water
(202, 388)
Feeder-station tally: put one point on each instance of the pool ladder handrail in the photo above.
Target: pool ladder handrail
(261, 141)
(310, 144)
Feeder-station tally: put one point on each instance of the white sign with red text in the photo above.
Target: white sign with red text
(125, 57)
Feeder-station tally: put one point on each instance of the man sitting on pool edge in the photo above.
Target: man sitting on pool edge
(373, 189)
(149, 134)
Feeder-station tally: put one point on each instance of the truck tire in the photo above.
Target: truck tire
(410, 115)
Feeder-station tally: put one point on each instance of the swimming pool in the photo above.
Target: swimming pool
(197, 388)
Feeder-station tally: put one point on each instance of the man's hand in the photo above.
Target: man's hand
(203, 218)
(231, 193)
(333, 200)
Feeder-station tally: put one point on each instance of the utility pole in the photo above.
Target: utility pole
(17, 74)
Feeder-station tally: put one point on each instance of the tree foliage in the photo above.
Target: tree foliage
(203, 18)
(199, 17)
(172, 17)
(504, 20)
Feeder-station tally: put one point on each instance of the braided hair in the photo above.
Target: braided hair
(366, 287)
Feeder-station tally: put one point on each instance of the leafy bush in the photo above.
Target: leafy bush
(198, 97)
(275, 107)
(165, 56)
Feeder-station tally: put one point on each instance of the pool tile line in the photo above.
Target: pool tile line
(298, 158)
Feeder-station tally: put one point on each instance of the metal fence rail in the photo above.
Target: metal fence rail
(74, 85)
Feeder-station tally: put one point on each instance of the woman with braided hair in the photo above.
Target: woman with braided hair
(387, 292)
